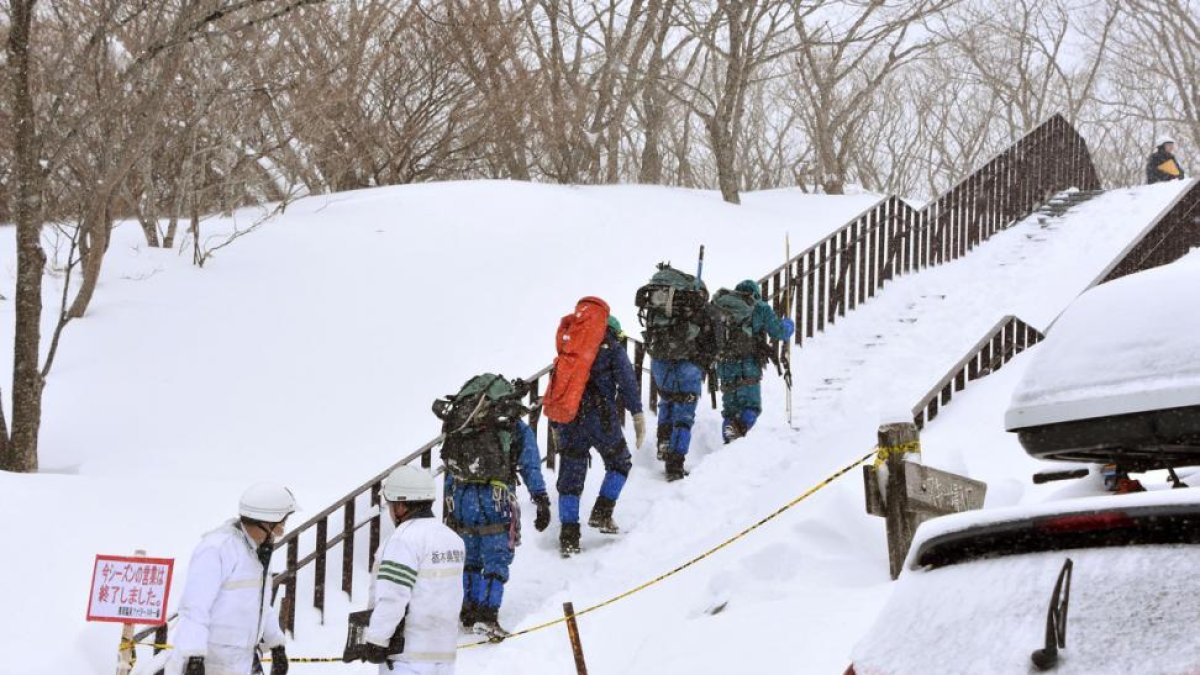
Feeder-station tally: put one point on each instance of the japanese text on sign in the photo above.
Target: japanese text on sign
(130, 590)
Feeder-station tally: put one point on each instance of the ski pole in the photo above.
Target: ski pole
(786, 354)
(700, 266)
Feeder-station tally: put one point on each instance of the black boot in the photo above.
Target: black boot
(602, 516)
(469, 614)
(675, 467)
(568, 539)
(487, 622)
(664, 441)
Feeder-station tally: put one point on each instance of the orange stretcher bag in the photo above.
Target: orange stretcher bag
(577, 343)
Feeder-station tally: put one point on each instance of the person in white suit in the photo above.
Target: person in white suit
(417, 587)
(226, 608)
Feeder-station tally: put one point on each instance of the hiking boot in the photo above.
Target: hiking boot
(602, 516)
(664, 442)
(487, 623)
(568, 540)
(469, 614)
(732, 430)
(675, 467)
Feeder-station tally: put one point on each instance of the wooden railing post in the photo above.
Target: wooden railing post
(348, 529)
(288, 609)
(319, 572)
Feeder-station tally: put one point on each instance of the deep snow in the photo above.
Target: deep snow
(309, 351)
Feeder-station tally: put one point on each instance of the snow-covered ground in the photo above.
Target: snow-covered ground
(309, 351)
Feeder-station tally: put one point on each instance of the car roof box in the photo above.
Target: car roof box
(1118, 376)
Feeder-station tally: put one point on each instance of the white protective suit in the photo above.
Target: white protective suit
(419, 579)
(226, 608)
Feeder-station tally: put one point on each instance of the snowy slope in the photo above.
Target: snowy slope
(289, 357)
(309, 350)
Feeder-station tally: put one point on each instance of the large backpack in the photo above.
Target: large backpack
(672, 308)
(733, 312)
(479, 423)
(577, 342)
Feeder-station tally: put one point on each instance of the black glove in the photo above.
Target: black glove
(542, 521)
(279, 661)
(375, 653)
(195, 666)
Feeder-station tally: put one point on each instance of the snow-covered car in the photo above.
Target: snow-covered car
(991, 591)
(1117, 379)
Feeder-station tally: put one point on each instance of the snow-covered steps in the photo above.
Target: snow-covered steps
(889, 352)
(1059, 204)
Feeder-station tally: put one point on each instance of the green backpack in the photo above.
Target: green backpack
(672, 307)
(733, 312)
(479, 425)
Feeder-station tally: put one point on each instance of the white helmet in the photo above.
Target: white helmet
(267, 502)
(1163, 140)
(408, 484)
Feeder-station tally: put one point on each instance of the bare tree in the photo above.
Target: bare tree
(735, 41)
(103, 58)
(1153, 82)
(847, 52)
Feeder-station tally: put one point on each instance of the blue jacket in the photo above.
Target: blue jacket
(612, 387)
(529, 463)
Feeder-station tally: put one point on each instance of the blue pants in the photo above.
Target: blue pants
(482, 515)
(679, 388)
(577, 441)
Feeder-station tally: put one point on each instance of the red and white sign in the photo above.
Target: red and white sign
(130, 590)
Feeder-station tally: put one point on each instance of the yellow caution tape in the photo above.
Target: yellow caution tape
(910, 448)
(662, 577)
(905, 448)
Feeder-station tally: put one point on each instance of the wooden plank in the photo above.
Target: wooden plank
(874, 497)
(319, 573)
(822, 283)
(348, 528)
(810, 303)
(941, 492)
(851, 281)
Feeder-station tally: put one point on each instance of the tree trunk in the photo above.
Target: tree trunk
(20, 451)
(724, 153)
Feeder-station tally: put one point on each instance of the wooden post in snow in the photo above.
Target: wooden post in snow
(125, 653)
(573, 634)
(914, 492)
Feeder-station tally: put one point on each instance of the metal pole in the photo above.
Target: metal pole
(573, 634)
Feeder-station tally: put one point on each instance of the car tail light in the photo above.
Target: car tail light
(1086, 522)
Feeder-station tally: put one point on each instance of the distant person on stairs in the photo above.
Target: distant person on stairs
(416, 589)
(486, 446)
(681, 342)
(745, 323)
(226, 608)
(611, 389)
(1163, 165)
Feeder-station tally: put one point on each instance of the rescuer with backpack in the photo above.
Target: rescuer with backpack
(681, 342)
(1162, 164)
(486, 446)
(744, 324)
(591, 386)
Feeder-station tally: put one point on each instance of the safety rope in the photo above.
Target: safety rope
(666, 575)
(907, 447)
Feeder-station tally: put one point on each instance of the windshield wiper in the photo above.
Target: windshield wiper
(1056, 621)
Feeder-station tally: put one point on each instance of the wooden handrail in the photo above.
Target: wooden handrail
(1009, 337)
(834, 275)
